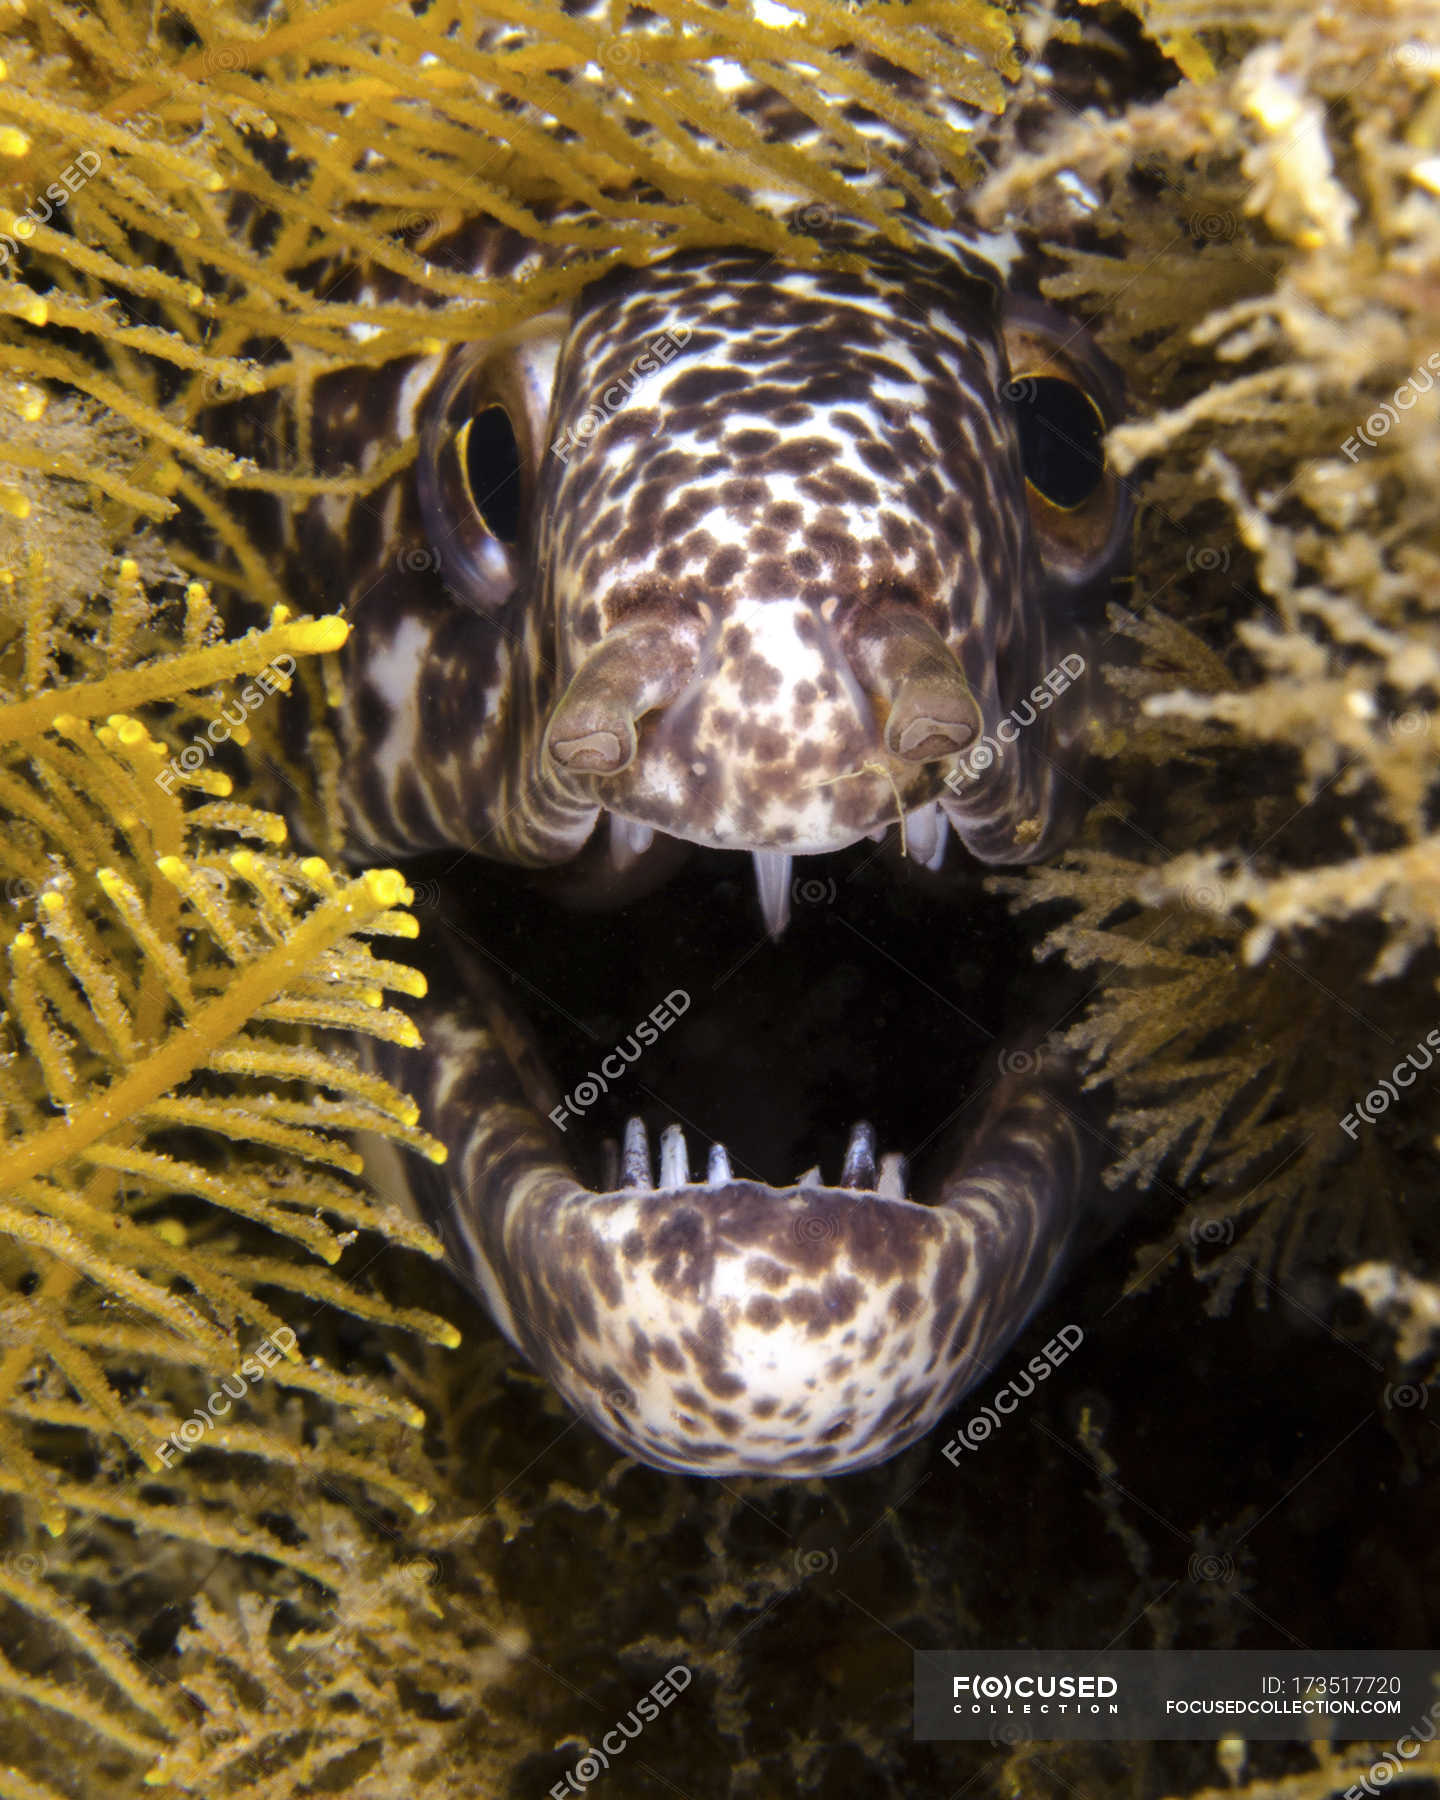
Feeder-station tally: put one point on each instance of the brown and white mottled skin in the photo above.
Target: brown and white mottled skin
(723, 1326)
(763, 602)
(805, 539)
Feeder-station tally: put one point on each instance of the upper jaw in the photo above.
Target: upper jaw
(924, 833)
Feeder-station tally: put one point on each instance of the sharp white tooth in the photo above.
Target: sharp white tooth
(628, 839)
(894, 1174)
(635, 1158)
(811, 1178)
(719, 1170)
(674, 1158)
(877, 836)
(772, 878)
(859, 1170)
(609, 1166)
(925, 832)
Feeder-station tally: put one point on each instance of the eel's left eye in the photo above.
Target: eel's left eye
(1063, 396)
(482, 450)
(1062, 439)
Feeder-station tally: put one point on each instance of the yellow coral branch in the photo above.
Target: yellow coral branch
(170, 676)
(41, 1599)
(373, 893)
(250, 53)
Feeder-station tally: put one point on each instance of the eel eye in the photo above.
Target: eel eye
(1064, 395)
(1062, 439)
(482, 444)
(488, 453)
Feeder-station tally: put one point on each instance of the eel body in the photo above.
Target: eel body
(761, 557)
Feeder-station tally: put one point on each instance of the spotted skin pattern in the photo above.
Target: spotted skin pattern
(762, 604)
(821, 492)
(731, 1328)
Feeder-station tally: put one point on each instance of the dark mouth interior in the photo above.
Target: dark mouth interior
(890, 998)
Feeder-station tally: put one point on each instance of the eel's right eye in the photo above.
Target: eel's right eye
(489, 457)
(482, 443)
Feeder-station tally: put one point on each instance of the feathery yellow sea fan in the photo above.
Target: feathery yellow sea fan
(156, 969)
(151, 247)
(171, 1135)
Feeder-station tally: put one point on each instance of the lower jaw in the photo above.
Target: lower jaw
(876, 1005)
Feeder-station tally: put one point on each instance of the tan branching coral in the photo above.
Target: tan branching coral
(1281, 654)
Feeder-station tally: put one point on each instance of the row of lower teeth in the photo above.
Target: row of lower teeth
(628, 1165)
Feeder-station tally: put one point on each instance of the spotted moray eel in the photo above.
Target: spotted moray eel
(770, 600)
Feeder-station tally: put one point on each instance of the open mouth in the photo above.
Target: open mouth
(665, 1177)
(824, 1023)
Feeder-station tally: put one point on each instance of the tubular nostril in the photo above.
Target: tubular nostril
(932, 711)
(592, 730)
(917, 731)
(601, 752)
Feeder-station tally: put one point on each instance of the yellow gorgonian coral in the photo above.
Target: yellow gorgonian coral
(156, 969)
(162, 961)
